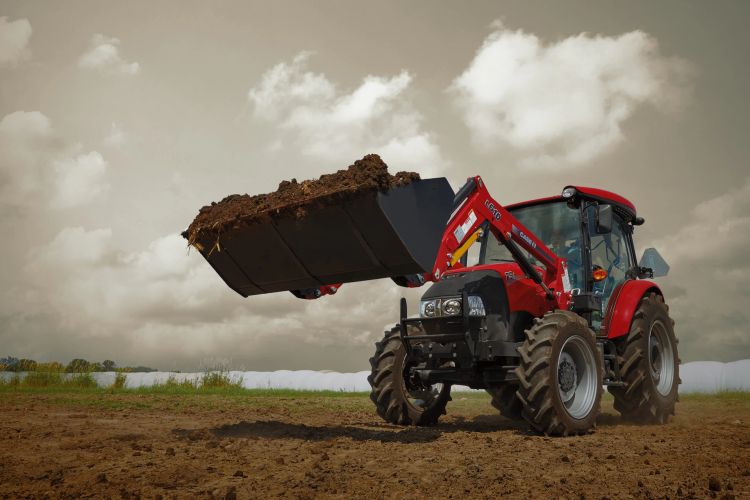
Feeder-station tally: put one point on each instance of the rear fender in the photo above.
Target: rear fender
(622, 306)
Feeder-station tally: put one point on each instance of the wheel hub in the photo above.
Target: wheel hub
(566, 373)
(577, 377)
(655, 357)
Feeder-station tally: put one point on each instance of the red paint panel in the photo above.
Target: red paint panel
(622, 306)
(523, 293)
(606, 195)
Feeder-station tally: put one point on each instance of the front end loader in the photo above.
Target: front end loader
(555, 309)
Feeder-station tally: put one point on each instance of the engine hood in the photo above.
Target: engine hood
(485, 283)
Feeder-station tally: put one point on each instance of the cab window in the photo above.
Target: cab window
(557, 225)
(609, 252)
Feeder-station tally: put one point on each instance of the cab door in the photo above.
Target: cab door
(610, 252)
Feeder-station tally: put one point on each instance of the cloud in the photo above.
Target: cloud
(38, 167)
(104, 55)
(116, 137)
(322, 121)
(75, 246)
(94, 282)
(162, 299)
(79, 180)
(562, 104)
(89, 279)
(707, 285)
(717, 229)
(14, 39)
(27, 142)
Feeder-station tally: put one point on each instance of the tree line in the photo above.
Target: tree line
(78, 365)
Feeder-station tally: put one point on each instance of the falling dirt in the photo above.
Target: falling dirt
(370, 174)
(152, 446)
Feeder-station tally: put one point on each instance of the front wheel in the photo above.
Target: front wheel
(560, 375)
(397, 400)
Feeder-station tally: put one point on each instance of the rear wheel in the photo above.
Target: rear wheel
(505, 400)
(649, 364)
(399, 401)
(560, 375)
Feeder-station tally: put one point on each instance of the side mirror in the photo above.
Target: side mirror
(604, 219)
(653, 260)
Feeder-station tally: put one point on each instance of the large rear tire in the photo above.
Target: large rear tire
(560, 375)
(397, 401)
(649, 365)
(504, 399)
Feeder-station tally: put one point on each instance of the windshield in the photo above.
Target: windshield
(557, 225)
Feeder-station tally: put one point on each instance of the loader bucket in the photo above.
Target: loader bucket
(368, 236)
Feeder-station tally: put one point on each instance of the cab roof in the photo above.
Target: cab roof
(621, 205)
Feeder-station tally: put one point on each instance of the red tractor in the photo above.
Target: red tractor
(556, 308)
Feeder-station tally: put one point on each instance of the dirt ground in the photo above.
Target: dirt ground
(175, 446)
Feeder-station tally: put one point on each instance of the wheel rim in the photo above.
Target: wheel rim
(660, 358)
(577, 377)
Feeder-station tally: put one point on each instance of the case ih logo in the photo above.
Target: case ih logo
(524, 236)
(491, 207)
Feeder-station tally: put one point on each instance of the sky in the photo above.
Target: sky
(118, 121)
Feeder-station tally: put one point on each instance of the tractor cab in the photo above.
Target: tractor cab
(593, 230)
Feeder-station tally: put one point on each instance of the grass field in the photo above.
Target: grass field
(218, 383)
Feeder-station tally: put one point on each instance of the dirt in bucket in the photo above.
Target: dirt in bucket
(292, 198)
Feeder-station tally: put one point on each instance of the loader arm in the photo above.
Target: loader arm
(476, 211)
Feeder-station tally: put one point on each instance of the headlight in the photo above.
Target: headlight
(476, 306)
(428, 309)
(451, 307)
(569, 192)
(448, 306)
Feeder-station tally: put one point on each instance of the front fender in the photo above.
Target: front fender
(622, 306)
